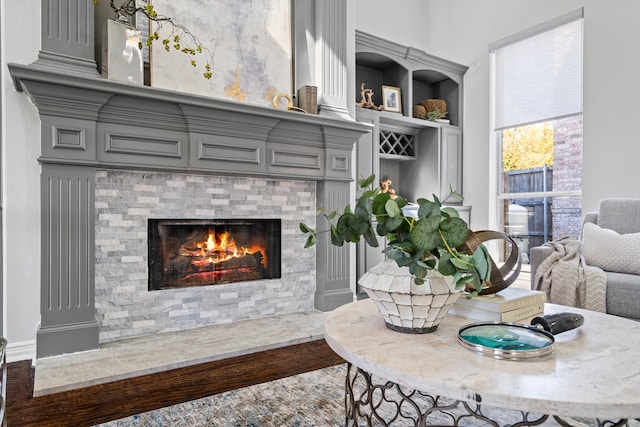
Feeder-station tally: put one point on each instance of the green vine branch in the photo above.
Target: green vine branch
(180, 37)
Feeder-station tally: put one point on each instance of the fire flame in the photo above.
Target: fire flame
(217, 247)
(221, 250)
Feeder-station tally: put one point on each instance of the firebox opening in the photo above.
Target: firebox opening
(195, 252)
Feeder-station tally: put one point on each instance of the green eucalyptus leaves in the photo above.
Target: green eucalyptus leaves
(430, 241)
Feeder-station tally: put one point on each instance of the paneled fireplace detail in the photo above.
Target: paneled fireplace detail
(90, 124)
(197, 252)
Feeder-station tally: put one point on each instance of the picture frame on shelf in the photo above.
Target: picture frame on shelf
(391, 100)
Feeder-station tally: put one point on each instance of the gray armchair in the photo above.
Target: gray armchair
(621, 215)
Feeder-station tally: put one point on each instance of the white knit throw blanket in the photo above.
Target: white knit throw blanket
(567, 280)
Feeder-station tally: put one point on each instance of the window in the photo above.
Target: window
(537, 110)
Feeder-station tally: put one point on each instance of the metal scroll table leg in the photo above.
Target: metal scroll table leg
(372, 401)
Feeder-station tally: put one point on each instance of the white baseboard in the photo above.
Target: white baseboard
(23, 350)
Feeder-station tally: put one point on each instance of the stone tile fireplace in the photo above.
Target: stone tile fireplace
(125, 203)
(114, 155)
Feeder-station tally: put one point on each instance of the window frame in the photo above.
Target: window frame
(495, 137)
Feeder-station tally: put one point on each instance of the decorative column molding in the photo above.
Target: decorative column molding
(67, 36)
(334, 21)
(67, 293)
(333, 273)
(67, 303)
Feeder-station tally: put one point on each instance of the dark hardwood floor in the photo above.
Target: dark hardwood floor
(105, 402)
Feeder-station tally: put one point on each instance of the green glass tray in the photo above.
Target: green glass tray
(506, 340)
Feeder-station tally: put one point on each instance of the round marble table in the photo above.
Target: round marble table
(594, 371)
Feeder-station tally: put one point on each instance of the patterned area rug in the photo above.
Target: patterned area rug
(312, 399)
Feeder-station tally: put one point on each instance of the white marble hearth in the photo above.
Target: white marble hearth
(160, 352)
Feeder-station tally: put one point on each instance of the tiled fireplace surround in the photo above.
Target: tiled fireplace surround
(124, 201)
(113, 154)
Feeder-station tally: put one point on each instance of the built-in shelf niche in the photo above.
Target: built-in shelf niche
(419, 76)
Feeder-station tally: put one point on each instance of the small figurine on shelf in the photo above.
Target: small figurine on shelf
(366, 99)
(385, 188)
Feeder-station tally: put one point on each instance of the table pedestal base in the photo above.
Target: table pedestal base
(388, 404)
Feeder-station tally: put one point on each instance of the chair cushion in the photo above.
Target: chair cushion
(610, 250)
(622, 295)
(620, 214)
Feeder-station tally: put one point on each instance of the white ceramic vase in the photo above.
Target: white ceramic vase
(121, 53)
(405, 306)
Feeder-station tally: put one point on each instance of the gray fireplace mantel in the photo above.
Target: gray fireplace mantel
(88, 122)
(98, 122)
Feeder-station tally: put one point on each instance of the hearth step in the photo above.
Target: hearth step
(154, 353)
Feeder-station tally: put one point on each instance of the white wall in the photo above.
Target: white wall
(401, 21)
(460, 30)
(21, 185)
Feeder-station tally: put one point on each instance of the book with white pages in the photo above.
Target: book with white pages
(512, 316)
(506, 300)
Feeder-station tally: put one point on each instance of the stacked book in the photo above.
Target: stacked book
(508, 305)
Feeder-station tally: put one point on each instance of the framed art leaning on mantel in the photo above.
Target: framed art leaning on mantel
(250, 43)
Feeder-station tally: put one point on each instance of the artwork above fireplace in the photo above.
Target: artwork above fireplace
(184, 252)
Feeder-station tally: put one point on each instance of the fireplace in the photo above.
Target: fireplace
(196, 252)
(113, 155)
(126, 200)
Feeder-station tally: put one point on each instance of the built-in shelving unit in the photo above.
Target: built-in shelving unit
(430, 152)
(421, 157)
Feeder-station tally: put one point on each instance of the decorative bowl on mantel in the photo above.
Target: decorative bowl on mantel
(405, 306)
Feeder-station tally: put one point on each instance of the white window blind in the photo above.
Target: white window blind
(538, 74)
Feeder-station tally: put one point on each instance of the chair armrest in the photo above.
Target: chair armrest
(537, 254)
(590, 217)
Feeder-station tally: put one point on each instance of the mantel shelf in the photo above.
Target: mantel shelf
(102, 123)
(24, 74)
